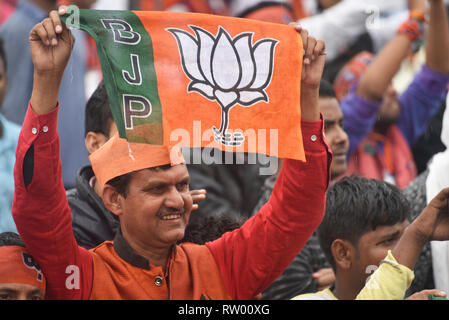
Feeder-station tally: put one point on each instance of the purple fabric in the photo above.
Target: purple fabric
(419, 102)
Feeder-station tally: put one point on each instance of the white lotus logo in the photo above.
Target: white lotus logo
(230, 71)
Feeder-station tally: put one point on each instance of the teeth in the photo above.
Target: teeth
(172, 216)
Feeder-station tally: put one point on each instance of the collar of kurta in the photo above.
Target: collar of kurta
(124, 250)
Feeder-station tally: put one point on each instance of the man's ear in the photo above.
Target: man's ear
(343, 253)
(94, 141)
(112, 200)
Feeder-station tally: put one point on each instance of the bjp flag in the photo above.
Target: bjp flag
(219, 80)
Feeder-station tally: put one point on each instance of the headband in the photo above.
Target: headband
(118, 157)
(18, 266)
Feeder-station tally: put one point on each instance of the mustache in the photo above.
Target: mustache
(168, 211)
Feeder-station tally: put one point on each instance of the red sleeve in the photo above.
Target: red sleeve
(252, 257)
(41, 211)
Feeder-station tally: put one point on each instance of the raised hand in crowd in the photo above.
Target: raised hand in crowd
(51, 44)
(432, 224)
(313, 66)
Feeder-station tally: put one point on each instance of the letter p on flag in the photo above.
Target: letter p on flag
(165, 71)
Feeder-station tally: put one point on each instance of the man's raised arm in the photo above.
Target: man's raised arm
(40, 207)
(252, 257)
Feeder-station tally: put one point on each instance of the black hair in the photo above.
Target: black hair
(3, 53)
(209, 228)
(355, 206)
(326, 89)
(98, 112)
(121, 183)
(10, 239)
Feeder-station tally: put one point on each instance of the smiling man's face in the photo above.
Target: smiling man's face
(157, 206)
(336, 137)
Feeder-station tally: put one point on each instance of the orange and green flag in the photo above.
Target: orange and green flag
(198, 80)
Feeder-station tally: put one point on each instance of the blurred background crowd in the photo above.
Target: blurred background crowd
(389, 90)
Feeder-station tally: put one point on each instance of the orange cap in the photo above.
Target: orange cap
(18, 266)
(118, 157)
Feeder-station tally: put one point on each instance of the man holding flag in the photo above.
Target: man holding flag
(147, 187)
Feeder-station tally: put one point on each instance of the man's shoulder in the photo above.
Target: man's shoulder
(104, 255)
(199, 253)
(104, 248)
(190, 247)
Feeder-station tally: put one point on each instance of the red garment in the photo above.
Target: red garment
(397, 159)
(244, 262)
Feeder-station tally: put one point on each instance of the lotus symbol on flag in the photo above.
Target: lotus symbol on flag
(228, 70)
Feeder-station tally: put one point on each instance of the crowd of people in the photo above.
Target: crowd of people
(365, 217)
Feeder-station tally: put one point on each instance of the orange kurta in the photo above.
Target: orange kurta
(192, 274)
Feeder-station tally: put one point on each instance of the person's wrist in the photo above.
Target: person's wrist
(309, 103)
(47, 80)
(53, 76)
(417, 235)
(44, 97)
(312, 88)
(417, 15)
(413, 27)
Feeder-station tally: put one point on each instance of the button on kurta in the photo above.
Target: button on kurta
(45, 129)
(158, 281)
(313, 138)
(34, 130)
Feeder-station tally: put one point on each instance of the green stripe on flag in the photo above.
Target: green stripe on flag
(125, 50)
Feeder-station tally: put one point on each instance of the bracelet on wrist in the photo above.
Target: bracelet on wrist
(413, 28)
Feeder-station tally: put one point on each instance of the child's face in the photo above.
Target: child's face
(373, 248)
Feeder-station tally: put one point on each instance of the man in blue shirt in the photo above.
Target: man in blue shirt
(9, 135)
(383, 126)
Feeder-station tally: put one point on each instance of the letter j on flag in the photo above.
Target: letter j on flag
(165, 71)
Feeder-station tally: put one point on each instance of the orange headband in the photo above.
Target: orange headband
(351, 73)
(18, 266)
(118, 157)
